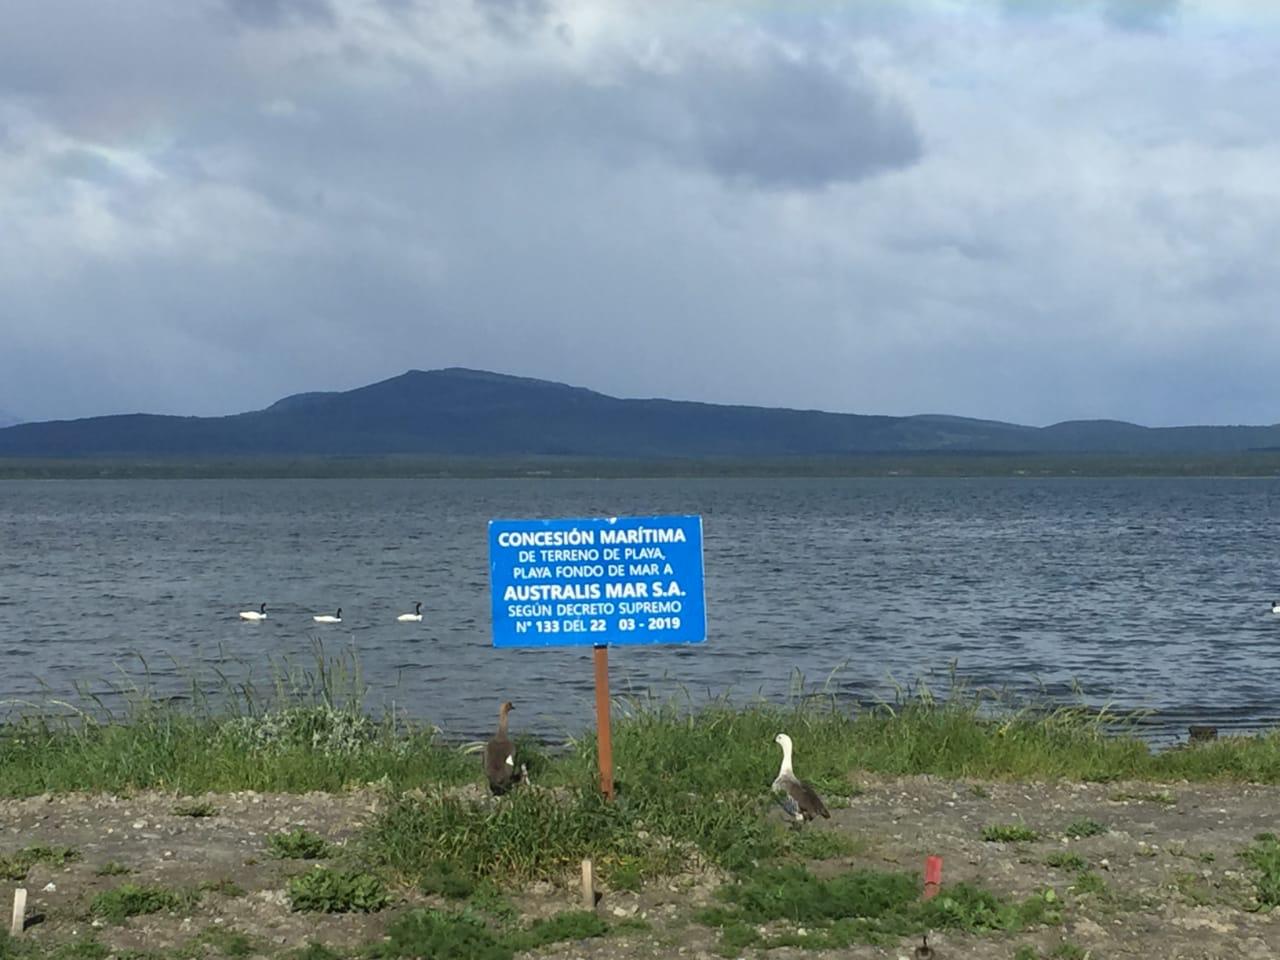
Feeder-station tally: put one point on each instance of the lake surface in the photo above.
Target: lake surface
(1148, 593)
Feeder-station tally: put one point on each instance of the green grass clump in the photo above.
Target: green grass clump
(443, 935)
(131, 900)
(1066, 861)
(197, 809)
(85, 948)
(14, 866)
(1078, 829)
(336, 891)
(1264, 856)
(446, 880)
(314, 951)
(1068, 951)
(862, 906)
(1009, 833)
(1162, 797)
(112, 869)
(1088, 883)
(532, 834)
(569, 925)
(226, 887)
(298, 844)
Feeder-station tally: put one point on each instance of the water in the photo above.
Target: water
(1150, 593)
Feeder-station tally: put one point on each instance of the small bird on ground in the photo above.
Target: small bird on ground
(799, 800)
(259, 614)
(924, 951)
(500, 757)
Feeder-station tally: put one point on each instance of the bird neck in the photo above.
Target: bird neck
(502, 722)
(786, 761)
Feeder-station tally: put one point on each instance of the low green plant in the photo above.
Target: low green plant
(569, 925)
(14, 866)
(1066, 861)
(1068, 951)
(197, 809)
(225, 887)
(131, 900)
(442, 935)
(314, 951)
(446, 880)
(112, 869)
(1078, 829)
(1026, 952)
(1162, 797)
(1264, 856)
(84, 948)
(298, 844)
(230, 943)
(862, 906)
(324, 890)
(1088, 883)
(1009, 833)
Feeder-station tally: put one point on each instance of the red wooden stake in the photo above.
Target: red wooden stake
(604, 739)
(932, 876)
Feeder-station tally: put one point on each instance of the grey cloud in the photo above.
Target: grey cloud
(278, 13)
(1139, 15)
(783, 123)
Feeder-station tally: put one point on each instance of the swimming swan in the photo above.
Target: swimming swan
(1275, 606)
(415, 617)
(259, 614)
(329, 618)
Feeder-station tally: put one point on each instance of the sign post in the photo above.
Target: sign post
(597, 582)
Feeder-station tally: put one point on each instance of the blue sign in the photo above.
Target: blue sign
(596, 581)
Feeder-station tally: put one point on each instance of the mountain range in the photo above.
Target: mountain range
(474, 413)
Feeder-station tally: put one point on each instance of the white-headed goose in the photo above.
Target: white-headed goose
(259, 614)
(799, 799)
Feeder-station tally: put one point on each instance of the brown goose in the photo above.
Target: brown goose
(799, 799)
(500, 756)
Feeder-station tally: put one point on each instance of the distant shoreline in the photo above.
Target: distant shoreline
(895, 465)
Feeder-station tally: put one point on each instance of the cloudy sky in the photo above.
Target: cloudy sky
(1027, 210)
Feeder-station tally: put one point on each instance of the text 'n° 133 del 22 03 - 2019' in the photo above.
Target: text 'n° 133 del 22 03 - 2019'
(597, 581)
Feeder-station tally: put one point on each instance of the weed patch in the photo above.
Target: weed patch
(112, 869)
(298, 845)
(1078, 829)
(132, 900)
(14, 866)
(1264, 857)
(861, 906)
(197, 809)
(1009, 833)
(1066, 861)
(336, 891)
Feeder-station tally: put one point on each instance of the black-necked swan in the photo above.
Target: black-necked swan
(415, 617)
(1275, 606)
(329, 618)
(799, 799)
(259, 614)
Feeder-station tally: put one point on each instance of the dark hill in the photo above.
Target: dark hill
(457, 412)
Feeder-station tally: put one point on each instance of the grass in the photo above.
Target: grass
(465, 935)
(131, 900)
(112, 869)
(860, 906)
(1009, 833)
(324, 890)
(14, 866)
(1079, 829)
(1066, 861)
(298, 844)
(1264, 856)
(195, 808)
(308, 729)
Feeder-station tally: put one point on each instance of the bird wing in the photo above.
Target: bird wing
(498, 753)
(807, 799)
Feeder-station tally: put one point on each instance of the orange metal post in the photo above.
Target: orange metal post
(604, 739)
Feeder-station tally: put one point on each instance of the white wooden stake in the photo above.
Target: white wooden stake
(588, 886)
(19, 912)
